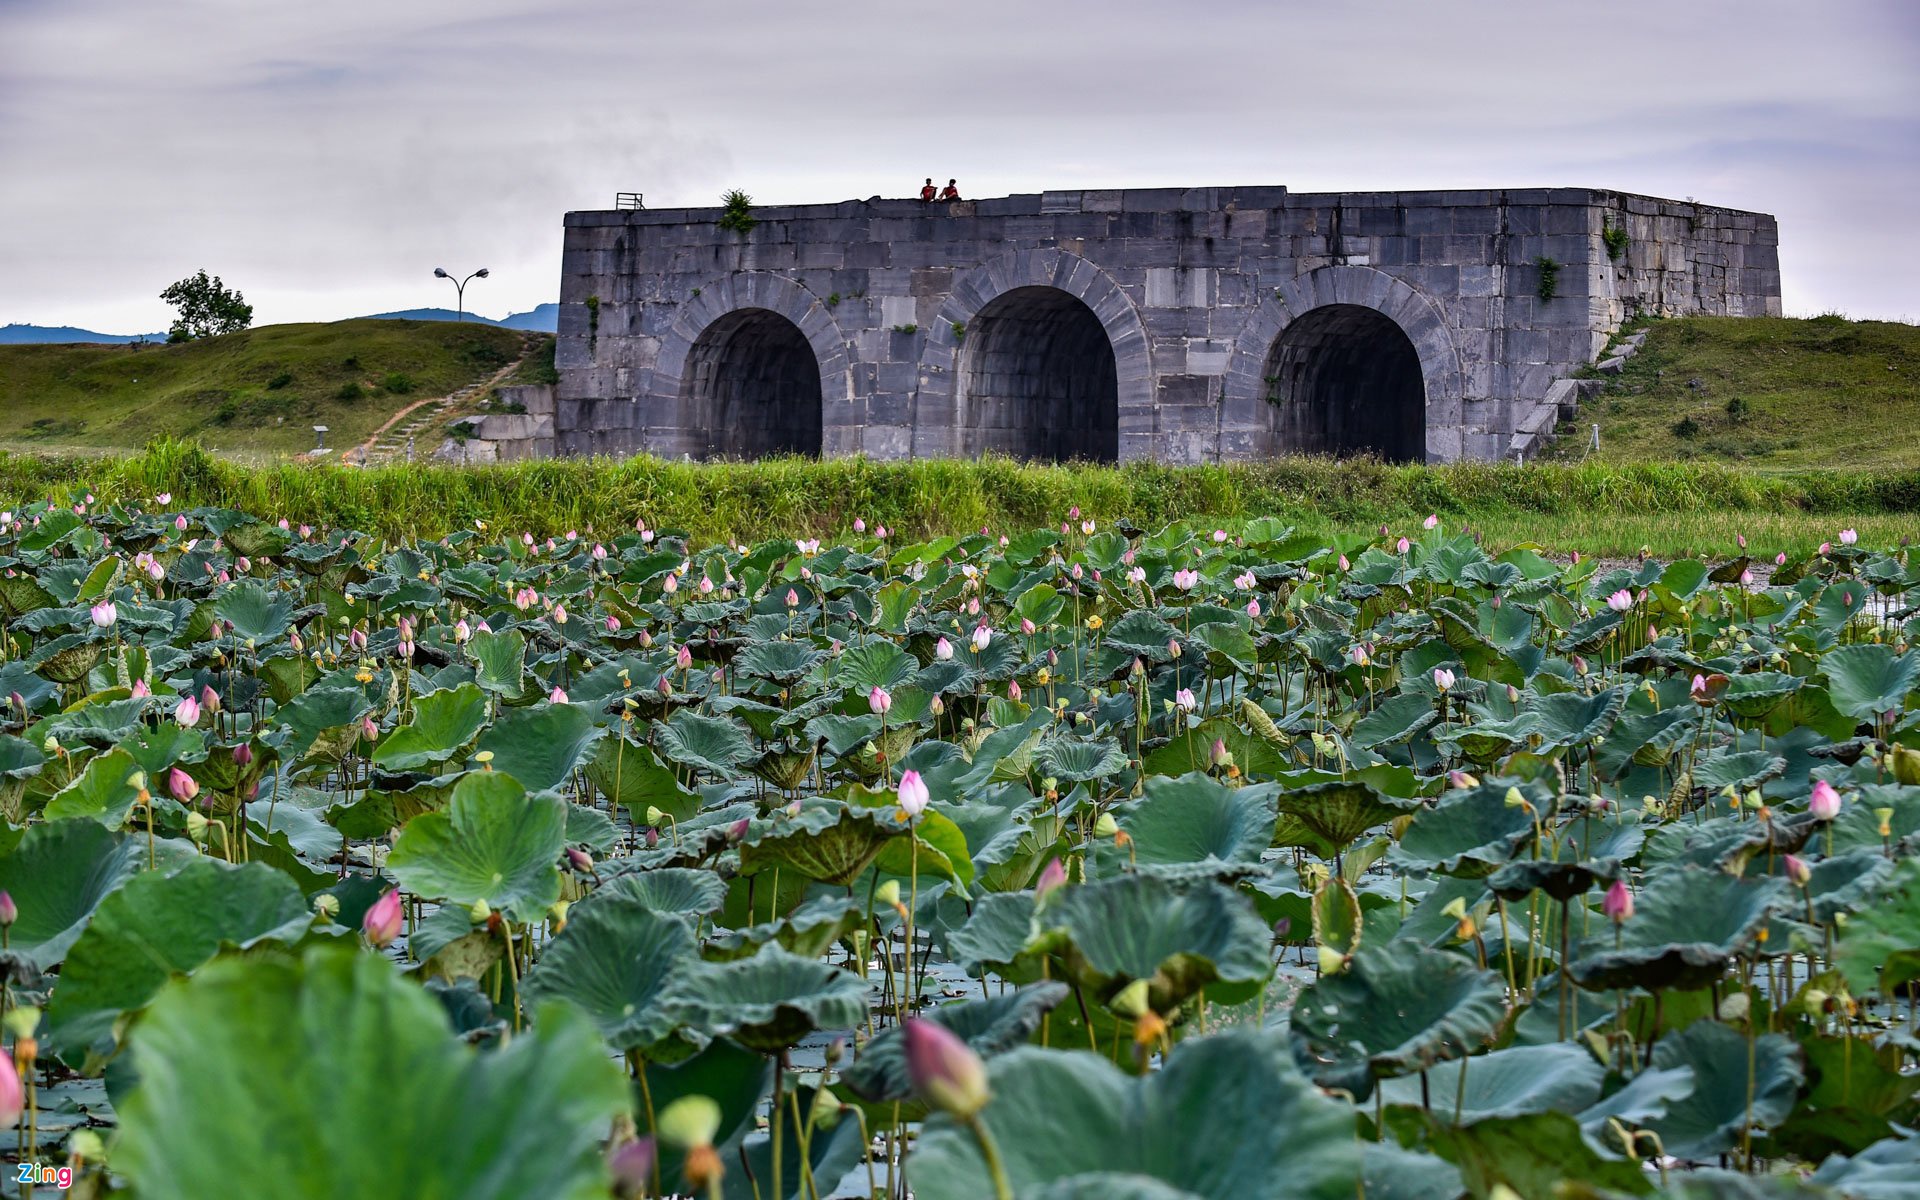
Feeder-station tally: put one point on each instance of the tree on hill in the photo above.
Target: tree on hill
(207, 308)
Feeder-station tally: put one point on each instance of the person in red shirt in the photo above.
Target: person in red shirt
(951, 192)
(927, 193)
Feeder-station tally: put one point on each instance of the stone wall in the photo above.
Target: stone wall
(523, 429)
(1177, 325)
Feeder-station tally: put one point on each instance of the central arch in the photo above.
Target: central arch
(1039, 380)
(752, 386)
(1344, 379)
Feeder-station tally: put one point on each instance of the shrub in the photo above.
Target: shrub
(1686, 427)
(350, 390)
(398, 382)
(279, 381)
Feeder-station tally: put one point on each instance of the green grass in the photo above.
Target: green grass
(256, 393)
(1669, 509)
(1766, 392)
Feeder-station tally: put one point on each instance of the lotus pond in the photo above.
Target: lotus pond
(1097, 862)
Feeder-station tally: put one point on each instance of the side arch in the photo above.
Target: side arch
(940, 409)
(1251, 425)
(677, 418)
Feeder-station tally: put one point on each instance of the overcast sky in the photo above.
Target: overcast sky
(325, 156)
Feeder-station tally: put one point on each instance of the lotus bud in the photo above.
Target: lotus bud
(653, 838)
(384, 920)
(946, 1073)
(368, 729)
(937, 706)
(1513, 694)
(737, 832)
(914, 796)
(557, 696)
(879, 700)
(683, 657)
(982, 638)
(1282, 928)
(1797, 870)
(243, 755)
(1013, 690)
(1825, 801)
(182, 786)
(326, 906)
(1052, 877)
(631, 1165)
(663, 686)
(13, 1094)
(1173, 648)
(9, 912)
(943, 649)
(1220, 756)
(557, 914)
(187, 712)
(1617, 906)
(579, 860)
(1460, 779)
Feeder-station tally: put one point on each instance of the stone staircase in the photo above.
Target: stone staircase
(1535, 431)
(413, 433)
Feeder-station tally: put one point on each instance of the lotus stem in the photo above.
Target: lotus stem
(996, 1170)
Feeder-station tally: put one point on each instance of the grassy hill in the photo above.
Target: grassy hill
(256, 394)
(1764, 392)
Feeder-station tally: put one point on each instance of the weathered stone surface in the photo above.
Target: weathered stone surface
(1173, 324)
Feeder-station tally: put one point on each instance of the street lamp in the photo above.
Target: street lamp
(459, 287)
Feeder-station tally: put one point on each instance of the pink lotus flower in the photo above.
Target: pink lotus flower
(1402, 545)
(104, 614)
(1013, 690)
(613, 623)
(1780, 559)
(357, 639)
(1741, 539)
(182, 786)
(1746, 578)
(187, 712)
(557, 696)
(1617, 906)
(1026, 626)
(1253, 609)
(1848, 537)
(140, 690)
(461, 630)
(683, 657)
(793, 598)
(1344, 564)
(1432, 521)
(599, 552)
(1620, 601)
(384, 920)
(1797, 870)
(165, 498)
(1826, 548)
(671, 584)
(369, 730)
(879, 700)
(982, 638)
(946, 1073)
(1824, 804)
(1185, 579)
(943, 649)
(1184, 700)
(180, 522)
(706, 586)
(1360, 657)
(1442, 679)
(1219, 536)
(914, 796)
(9, 911)
(859, 525)
(1244, 581)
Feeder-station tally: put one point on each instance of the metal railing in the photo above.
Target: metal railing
(629, 200)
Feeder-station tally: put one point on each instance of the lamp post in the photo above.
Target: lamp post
(459, 288)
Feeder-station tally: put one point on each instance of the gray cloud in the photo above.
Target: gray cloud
(325, 157)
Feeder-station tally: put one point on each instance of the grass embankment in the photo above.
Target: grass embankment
(256, 394)
(1600, 509)
(1766, 392)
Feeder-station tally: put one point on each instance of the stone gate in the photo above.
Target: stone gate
(1167, 324)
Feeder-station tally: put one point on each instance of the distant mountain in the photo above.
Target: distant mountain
(19, 335)
(544, 319)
